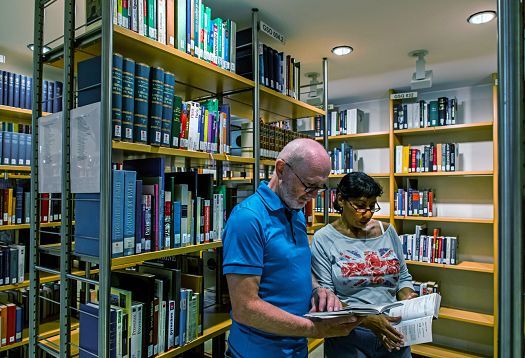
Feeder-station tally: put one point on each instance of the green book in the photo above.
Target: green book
(152, 19)
(180, 27)
(433, 113)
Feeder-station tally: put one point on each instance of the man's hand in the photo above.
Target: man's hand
(406, 294)
(383, 329)
(334, 327)
(324, 299)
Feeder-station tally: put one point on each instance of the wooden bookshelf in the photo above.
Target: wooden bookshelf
(481, 319)
(336, 215)
(15, 168)
(445, 219)
(314, 343)
(468, 127)
(26, 226)
(149, 149)
(463, 266)
(433, 351)
(477, 173)
(312, 229)
(267, 162)
(17, 115)
(46, 330)
(380, 136)
(373, 175)
(18, 176)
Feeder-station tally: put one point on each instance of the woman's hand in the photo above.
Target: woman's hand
(406, 294)
(381, 325)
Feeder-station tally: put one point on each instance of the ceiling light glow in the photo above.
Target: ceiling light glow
(481, 17)
(342, 50)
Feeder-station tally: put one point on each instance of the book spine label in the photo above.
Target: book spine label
(157, 95)
(140, 125)
(128, 101)
(118, 214)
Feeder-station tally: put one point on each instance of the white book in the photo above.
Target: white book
(161, 21)
(118, 334)
(135, 15)
(333, 130)
(352, 117)
(138, 338)
(21, 262)
(355, 309)
(410, 116)
(162, 327)
(140, 19)
(171, 324)
(399, 158)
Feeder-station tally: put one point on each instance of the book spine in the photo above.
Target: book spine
(176, 125)
(161, 21)
(130, 179)
(152, 19)
(155, 110)
(117, 96)
(14, 148)
(117, 237)
(140, 124)
(170, 22)
(167, 108)
(128, 101)
(181, 25)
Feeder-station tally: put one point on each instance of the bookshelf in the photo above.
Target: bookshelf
(195, 80)
(480, 270)
(16, 115)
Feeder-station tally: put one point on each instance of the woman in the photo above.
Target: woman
(361, 260)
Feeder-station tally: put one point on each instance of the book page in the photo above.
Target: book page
(50, 153)
(427, 305)
(357, 309)
(415, 331)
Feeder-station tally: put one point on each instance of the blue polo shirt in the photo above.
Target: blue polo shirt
(258, 240)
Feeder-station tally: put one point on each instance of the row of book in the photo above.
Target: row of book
(273, 139)
(155, 308)
(16, 148)
(15, 203)
(12, 264)
(319, 201)
(430, 248)
(16, 90)
(145, 109)
(184, 24)
(422, 114)
(413, 202)
(349, 121)
(152, 210)
(343, 158)
(11, 324)
(425, 288)
(441, 157)
(277, 70)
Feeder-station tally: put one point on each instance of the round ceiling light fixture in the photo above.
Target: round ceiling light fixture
(342, 50)
(45, 49)
(481, 17)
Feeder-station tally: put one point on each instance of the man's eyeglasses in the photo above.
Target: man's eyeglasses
(362, 210)
(307, 188)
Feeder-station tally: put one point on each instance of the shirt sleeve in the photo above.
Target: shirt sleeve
(321, 263)
(405, 278)
(243, 243)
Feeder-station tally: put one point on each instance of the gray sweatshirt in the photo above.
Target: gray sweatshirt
(368, 270)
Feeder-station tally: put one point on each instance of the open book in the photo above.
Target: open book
(356, 309)
(416, 318)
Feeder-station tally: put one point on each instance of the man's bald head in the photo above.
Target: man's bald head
(306, 155)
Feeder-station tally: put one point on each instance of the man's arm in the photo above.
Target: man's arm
(249, 309)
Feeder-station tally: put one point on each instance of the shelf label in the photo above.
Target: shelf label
(405, 95)
(268, 30)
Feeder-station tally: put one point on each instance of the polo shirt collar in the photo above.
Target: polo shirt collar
(269, 197)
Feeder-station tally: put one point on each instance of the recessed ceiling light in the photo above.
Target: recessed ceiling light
(45, 49)
(342, 50)
(481, 17)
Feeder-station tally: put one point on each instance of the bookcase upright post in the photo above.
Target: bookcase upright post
(34, 232)
(256, 102)
(326, 202)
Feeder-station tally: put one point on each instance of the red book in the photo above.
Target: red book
(5, 207)
(415, 203)
(156, 312)
(207, 217)
(309, 213)
(184, 126)
(167, 219)
(11, 323)
(430, 203)
(44, 208)
(3, 317)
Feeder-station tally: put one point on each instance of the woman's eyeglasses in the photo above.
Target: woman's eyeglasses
(307, 188)
(362, 210)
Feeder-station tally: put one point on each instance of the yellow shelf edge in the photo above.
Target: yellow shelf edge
(369, 135)
(463, 266)
(445, 219)
(454, 314)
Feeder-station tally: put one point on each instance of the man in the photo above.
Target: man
(267, 262)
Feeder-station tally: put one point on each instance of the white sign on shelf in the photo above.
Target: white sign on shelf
(405, 95)
(50, 153)
(268, 30)
(85, 149)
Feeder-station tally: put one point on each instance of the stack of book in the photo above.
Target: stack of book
(12, 264)
(319, 201)
(11, 318)
(442, 112)
(274, 138)
(413, 202)
(429, 158)
(343, 158)
(15, 148)
(277, 70)
(152, 210)
(184, 24)
(145, 109)
(429, 248)
(349, 121)
(17, 91)
(425, 288)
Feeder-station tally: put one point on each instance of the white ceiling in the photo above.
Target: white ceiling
(382, 32)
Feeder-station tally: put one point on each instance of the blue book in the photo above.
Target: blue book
(140, 124)
(88, 81)
(117, 234)
(184, 293)
(117, 96)
(19, 208)
(176, 223)
(16, 100)
(2, 87)
(6, 148)
(151, 168)
(130, 179)
(88, 326)
(167, 108)
(155, 109)
(29, 92)
(51, 96)
(21, 159)
(128, 100)
(57, 98)
(188, 25)
(28, 147)
(5, 85)
(11, 90)
(45, 96)
(19, 323)
(14, 148)
(23, 91)
(138, 217)
(87, 224)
